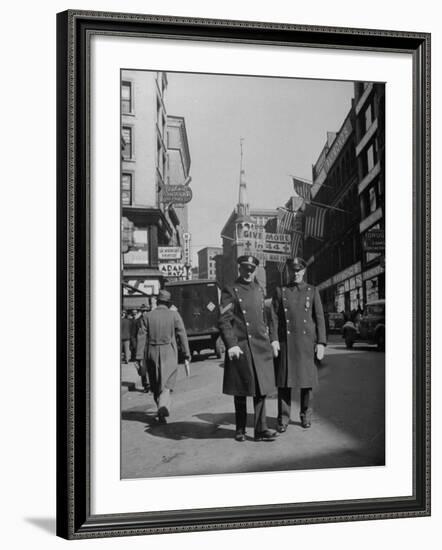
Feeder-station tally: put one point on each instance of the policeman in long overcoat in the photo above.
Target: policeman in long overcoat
(297, 335)
(248, 367)
(163, 327)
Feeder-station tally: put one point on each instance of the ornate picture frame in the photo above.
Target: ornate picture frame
(75, 30)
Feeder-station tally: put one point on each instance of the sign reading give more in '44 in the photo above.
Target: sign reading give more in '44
(277, 243)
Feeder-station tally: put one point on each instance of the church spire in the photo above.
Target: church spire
(243, 205)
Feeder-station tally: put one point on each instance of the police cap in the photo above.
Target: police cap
(297, 264)
(248, 260)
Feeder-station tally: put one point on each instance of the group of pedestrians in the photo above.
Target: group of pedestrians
(263, 351)
(133, 340)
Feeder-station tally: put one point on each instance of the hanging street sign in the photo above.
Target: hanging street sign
(272, 257)
(177, 194)
(374, 240)
(277, 248)
(170, 252)
(277, 238)
(172, 270)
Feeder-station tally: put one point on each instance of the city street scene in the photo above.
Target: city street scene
(252, 274)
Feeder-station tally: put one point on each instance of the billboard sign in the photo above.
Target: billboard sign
(173, 270)
(177, 194)
(374, 240)
(170, 252)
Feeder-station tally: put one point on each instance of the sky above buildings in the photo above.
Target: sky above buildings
(284, 123)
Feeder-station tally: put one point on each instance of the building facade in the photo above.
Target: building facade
(242, 234)
(207, 262)
(147, 223)
(348, 181)
(335, 260)
(370, 155)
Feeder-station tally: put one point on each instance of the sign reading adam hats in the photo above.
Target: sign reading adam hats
(172, 270)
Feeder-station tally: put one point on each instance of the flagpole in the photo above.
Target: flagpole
(328, 206)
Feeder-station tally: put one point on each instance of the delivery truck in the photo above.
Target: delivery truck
(197, 301)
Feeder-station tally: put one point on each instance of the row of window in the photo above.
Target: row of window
(343, 169)
(338, 257)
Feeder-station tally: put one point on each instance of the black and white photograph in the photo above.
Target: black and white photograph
(252, 274)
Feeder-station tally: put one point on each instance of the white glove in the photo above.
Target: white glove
(320, 350)
(234, 352)
(276, 348)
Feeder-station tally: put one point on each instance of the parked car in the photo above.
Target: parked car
(197, 301)
(370, 328)
(335, 322)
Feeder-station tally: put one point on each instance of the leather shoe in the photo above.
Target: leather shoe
(163, 411)
(306, 420)
(266, 435)
(281, 428)
(240, 435)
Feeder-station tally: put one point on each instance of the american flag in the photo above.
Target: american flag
(285, 221)
(302, 188)
(295, 244)
(314, 221)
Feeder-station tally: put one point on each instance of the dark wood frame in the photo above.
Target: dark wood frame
(74, 519)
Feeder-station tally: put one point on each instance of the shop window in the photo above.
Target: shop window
(138, 253)
(372, 289)
(126, 189)
(126, 97)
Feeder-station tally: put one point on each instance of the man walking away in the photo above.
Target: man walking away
(163, 328)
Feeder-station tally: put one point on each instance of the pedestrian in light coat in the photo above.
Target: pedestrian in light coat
(163, 327)
(248, 367)
(297, 334)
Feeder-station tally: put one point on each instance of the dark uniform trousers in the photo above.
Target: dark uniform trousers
(259, 403)
(284, 404)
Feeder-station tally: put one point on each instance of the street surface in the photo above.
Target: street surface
(348, 427)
